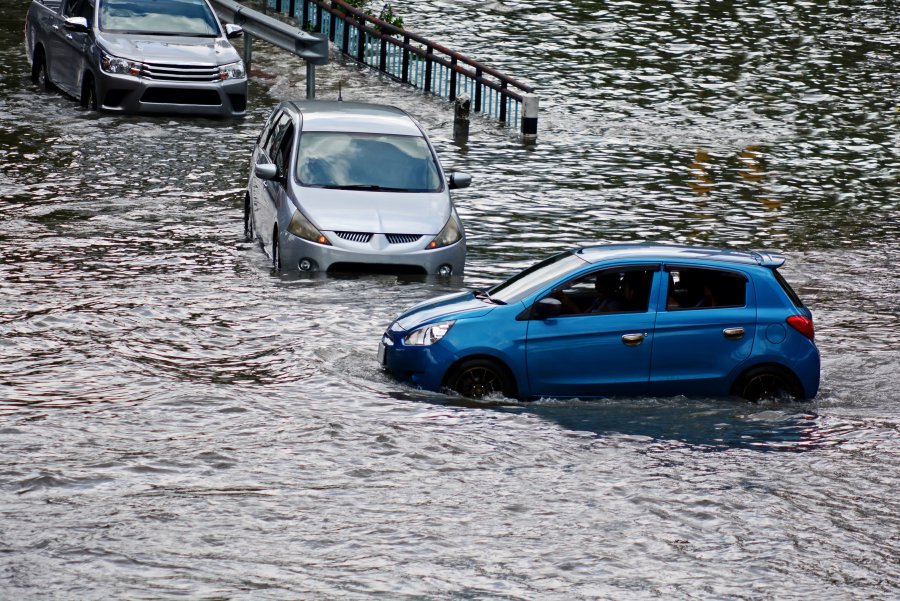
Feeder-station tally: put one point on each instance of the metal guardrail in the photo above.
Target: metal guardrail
(400, 54)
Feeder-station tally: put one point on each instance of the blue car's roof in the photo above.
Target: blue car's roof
(674, 252)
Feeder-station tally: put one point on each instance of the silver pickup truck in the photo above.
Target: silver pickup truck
(137, 56)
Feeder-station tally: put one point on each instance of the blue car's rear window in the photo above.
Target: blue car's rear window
(787, 289)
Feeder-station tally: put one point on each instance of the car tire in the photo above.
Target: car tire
(39, 70)
(276, 252)
(248, 222)
(89, 93)
(478, 378)
(767, 383)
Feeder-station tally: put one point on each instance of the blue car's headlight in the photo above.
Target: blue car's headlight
(428, 335)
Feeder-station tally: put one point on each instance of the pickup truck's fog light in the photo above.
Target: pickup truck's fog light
(445, 270)
(307, 265)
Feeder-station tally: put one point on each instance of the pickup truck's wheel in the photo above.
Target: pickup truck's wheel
(478, 378)
(39, 70)
(248, 220)
(767, 383)
(89, 93)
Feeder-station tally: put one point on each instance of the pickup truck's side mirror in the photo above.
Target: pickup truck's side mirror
(547, 307)
(233, 31)
(460, 180)
(266, 171)
(77, 24)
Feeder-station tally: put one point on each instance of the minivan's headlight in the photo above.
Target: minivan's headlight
(303, 228)
(451, 234)
(428, 335)
(233, 71)
(120, 66)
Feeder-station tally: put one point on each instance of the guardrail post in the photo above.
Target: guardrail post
(318, 18)
(332, 26)
(404, 76)
(382, 62)
(530, 104)
(345, 37)
(304, 18)
(478, 73)
(428, 68)
(310, 80)
(503, 87)
(361, 44)
(278, 6)
(452, 94)
(461, 117)
(292, 7)
(248, 51)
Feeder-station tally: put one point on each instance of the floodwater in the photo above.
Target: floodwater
(179, 422)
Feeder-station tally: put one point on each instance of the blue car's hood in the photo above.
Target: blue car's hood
(450, 305)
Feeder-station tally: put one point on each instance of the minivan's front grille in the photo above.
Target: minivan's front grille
(355, 236)
(402, 238)
(165, 72)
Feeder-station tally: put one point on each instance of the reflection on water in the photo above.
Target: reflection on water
(179, 421)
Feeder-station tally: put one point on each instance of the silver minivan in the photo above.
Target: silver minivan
(136, 56)
(343, 186)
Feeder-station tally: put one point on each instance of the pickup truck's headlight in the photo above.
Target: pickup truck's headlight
(303, 228)
(450, 234)
(428, 335)
(114, 64)
(233, 71)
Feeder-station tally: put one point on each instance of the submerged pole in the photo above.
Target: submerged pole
(530, 103)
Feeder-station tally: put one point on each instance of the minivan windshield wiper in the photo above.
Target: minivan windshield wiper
(369, 187)
(483, 295)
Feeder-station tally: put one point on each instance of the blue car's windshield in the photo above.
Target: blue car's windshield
(536, 277)
(357, 161)
(158, 17)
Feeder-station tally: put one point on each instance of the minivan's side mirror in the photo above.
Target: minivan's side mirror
(77, 24)
(460, 180)
(547, 307)
(267, 171)
(233, 31)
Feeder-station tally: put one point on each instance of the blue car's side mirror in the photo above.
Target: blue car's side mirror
(547, 307)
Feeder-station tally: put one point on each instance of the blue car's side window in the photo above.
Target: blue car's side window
(700, 288)
(616, 290)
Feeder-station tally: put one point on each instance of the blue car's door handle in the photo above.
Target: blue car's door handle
(633, 339)
(733, 333)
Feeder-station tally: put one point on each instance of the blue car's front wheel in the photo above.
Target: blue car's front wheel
(478, 378)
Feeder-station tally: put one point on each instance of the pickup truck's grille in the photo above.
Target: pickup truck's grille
(180, 72)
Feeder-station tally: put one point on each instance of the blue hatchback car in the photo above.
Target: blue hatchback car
(613, 320)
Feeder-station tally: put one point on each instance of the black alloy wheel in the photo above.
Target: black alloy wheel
(478, 378)
(39, 71)
(89, 94)
(767, 384)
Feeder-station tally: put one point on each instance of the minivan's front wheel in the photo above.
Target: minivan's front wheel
(767, 383)
(248, 223)
(276, 252)
(478, 378)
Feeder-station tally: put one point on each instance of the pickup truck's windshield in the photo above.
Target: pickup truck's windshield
(360, 161)
(158, 17)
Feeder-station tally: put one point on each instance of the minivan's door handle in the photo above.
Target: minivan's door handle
(633, 339)
(733, 333)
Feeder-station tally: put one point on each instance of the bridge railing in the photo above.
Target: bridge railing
(414, 60)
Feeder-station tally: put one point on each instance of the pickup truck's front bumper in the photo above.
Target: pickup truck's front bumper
(128, 94)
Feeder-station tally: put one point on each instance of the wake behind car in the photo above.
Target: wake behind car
(613, 320)
(344, 186)
(134, 56)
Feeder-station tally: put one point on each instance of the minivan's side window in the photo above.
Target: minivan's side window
(617, 290)
(283, 153)
(698, 288)
(276, 135)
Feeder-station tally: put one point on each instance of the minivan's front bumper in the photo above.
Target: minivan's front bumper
(293, 250)
(128, 94)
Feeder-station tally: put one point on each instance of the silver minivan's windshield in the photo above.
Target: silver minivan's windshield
(536, 277)
(158, 17)
(359, 161)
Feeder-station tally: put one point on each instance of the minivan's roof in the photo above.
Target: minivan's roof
(330, 115)
(675, 252)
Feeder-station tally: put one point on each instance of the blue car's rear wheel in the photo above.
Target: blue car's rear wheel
(478, 378)
(767, 383)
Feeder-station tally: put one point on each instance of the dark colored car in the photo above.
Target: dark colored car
(632, 319)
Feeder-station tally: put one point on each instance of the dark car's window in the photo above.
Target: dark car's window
(161, 17)
(80, 8)
(536, 277)
(787, 289)
(698, 288)
(617, 290)
(367, 161)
